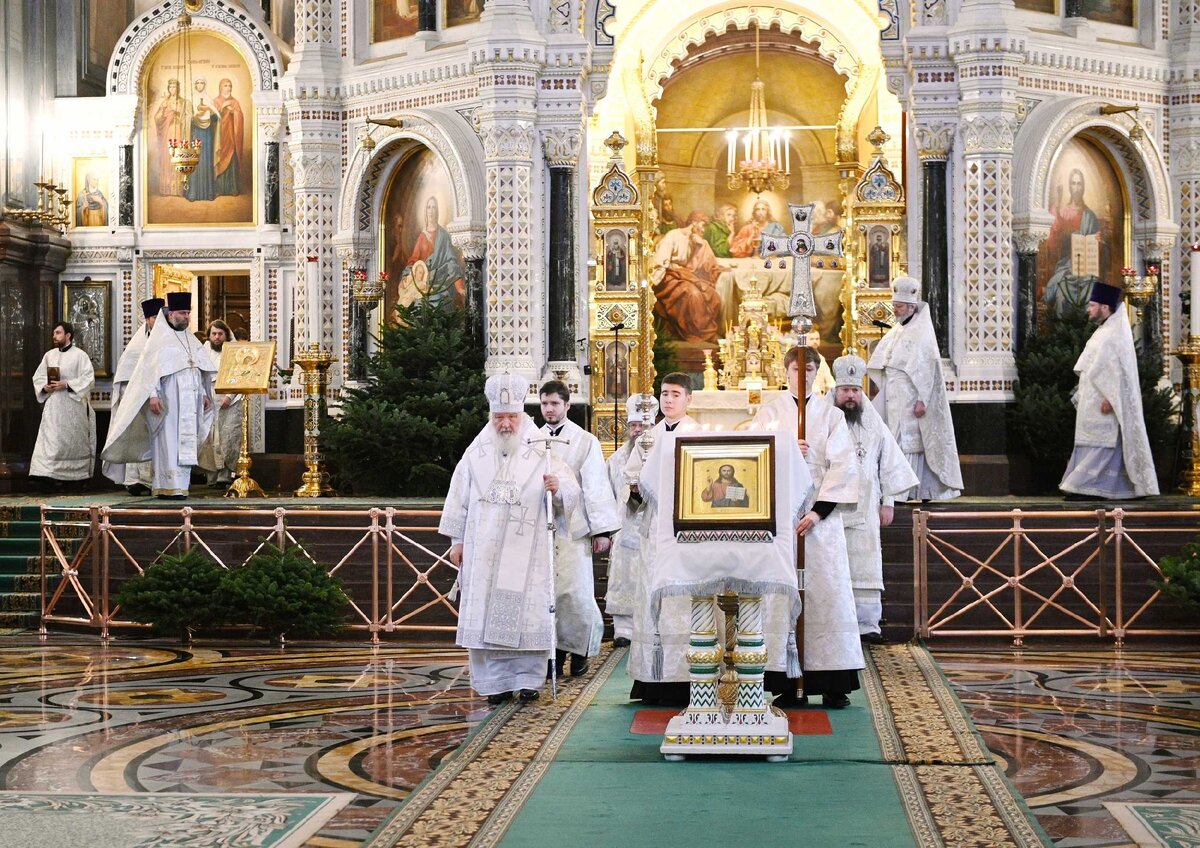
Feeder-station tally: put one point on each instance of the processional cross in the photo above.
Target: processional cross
(802, 308)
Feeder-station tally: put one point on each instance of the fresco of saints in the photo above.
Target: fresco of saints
(231, 135)
(761, 223)
(434, 267)
(615, 274)
(91, 206)
(720, 229)
(726, 490)
(202, 185)
(172, 119)
(1064, 289)
(685, 283)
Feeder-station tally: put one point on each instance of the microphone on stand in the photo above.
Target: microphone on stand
(616, 327)
(883, 325)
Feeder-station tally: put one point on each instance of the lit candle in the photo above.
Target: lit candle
(1195, 292)
(731, 143)
(312, 295)
(787, 153)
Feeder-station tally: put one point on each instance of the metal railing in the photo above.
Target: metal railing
(1052, 573)
(393, 564)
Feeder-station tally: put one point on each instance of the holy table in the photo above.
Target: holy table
(722, 512)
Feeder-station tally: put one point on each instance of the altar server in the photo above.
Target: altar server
(167, 407)
(1112, 457)
(577, 616)
(136, 477)
(832, 652)
(224, 444)
(66, 440)
(883, 475)
(627, 544)
(907, 368)
(495, 516)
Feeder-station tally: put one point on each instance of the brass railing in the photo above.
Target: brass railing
(392, 562)
(1052, 573)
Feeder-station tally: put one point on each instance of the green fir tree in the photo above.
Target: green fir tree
(405, 430)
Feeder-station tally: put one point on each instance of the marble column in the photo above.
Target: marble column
(561, 148)
(427, 15)
(1026, 296)
(125, 188)
(271, 200)
(933, 145)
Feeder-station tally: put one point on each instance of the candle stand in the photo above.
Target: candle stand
(1189, 354)
(314, 362)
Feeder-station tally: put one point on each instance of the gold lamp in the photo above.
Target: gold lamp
(758, 159)
(185, 152)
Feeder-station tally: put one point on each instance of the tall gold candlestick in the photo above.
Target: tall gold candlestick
(1189, 354)
(314, 362)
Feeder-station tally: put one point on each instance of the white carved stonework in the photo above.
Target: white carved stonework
(1030, 240)
(1185, 158)
(561, 146)
(933, 141)
(932, 12)
(988, 134)
(514, 331)
(562, 15)
(314, 22)
(472, 243)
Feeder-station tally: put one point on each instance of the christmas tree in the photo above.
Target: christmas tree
(405, 430)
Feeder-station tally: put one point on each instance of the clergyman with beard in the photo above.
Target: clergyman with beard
(167, 409)
(883, 476)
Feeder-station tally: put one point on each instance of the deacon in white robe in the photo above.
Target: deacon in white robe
(167, 407)
(832, 651)
(1112, 457)
(224, 444)
(577, 615)
(907, 368)
(136, 477)
(66, 440)
(627, 543)
(883, 475)
(495, 516)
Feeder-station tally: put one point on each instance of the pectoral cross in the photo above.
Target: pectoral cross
(801, 245)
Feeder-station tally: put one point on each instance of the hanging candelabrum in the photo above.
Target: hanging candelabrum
(314, 362)
(185, 156)
(1188, 353)
(758, 159)
(367, 293)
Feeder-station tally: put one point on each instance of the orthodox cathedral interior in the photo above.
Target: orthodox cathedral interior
(608, 189)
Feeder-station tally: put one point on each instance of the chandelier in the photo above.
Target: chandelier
(185, 152)
(758, 157)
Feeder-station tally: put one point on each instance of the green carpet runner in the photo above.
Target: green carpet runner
(20, 574)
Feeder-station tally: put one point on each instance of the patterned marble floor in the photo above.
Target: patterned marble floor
(1077, 730)
(134, 717)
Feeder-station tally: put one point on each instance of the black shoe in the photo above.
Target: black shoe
(499, 698)
(1075, 496)
(873, 638)
(527, 695)
(171, 497)
(835, 700)
(790, 701)
(620, 642)
(138, 489)
(579, 665)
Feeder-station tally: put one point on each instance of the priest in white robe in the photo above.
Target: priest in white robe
(1112, 457)
(832, 651)
(224, 444)
(627, 543)
(883, 476)
(577, 615)
(167, 407)
(66, 441)
(656, 654)
(907, 368)
(495, 516)
(136, 477)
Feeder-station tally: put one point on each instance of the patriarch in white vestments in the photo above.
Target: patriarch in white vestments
(577, 615)
(1112, 457)
(495, 516)
(907, 368)
(657, 661)
(832, 651)
(167, 407)
(627, 543)
(224, 443)
(136, 477)
(66, 440)
(883, 475)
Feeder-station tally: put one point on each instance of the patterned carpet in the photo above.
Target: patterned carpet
(953, 791)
